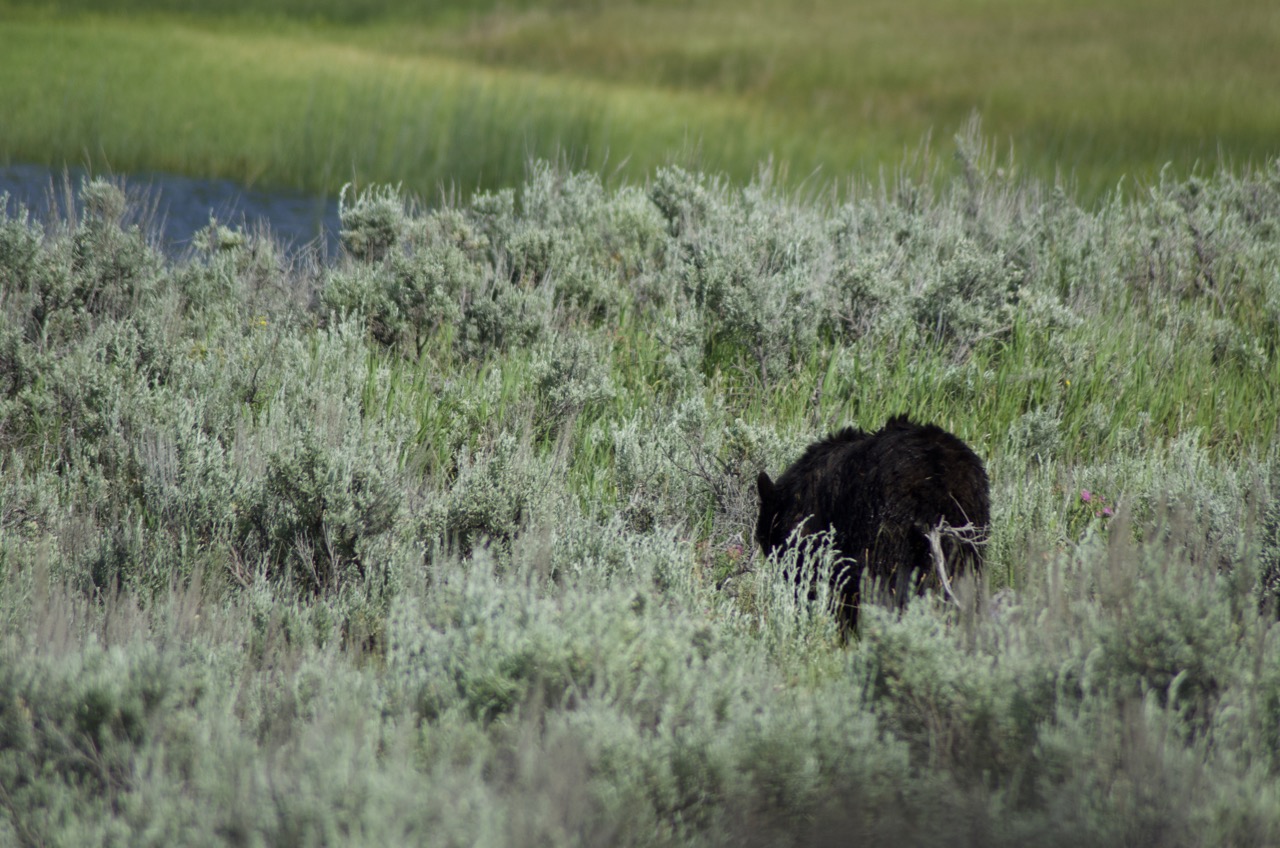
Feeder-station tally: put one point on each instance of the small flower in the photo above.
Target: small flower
(1107, 512)
(1085, 496)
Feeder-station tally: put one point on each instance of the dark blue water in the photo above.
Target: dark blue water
(181, 206)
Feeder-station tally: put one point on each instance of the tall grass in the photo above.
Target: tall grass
(313, 94)
(314, 115)
(448, 540)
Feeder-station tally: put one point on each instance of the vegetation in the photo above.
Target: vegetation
(315, 93)
(448, 541)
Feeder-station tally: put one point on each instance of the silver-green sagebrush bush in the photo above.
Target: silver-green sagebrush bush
(448, 540)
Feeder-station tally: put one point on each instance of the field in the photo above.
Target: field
(312, 94)
(448, 540)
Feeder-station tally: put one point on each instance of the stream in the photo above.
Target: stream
(181, 206)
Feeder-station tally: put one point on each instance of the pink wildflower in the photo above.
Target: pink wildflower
(1086, 495)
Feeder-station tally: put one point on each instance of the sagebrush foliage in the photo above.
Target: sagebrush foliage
(452, 535)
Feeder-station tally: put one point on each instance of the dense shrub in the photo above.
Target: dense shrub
(448, 539)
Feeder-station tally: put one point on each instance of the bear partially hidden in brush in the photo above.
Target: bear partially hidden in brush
(907, 506)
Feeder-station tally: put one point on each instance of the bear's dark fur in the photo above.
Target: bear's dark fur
(881, 494)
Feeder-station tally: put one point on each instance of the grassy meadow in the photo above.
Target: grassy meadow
(449, 541)
(312, 94)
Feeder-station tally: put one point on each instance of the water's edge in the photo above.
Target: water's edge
(183, 205)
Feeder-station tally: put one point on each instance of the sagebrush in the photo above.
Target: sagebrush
(450, 540)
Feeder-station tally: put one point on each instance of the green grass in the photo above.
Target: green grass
(312, 95)
(315, 114)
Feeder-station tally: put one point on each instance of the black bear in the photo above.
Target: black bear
(908, 506)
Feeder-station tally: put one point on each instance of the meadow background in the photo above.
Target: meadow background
(447, 540)
(311, 94)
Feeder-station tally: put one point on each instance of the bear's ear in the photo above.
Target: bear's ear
(765, 486)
